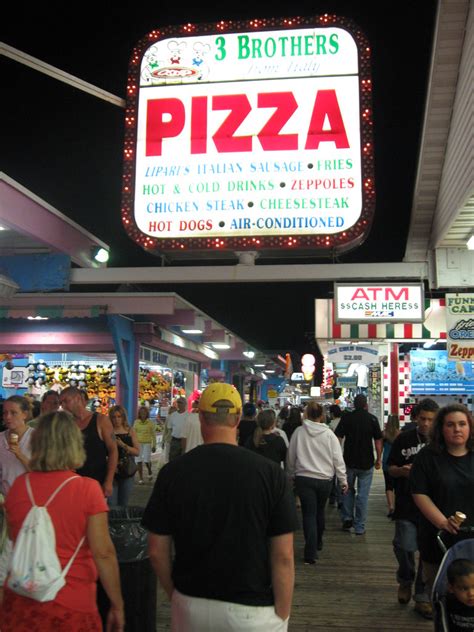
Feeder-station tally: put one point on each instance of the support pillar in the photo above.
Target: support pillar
(123, 336)
(394, 379)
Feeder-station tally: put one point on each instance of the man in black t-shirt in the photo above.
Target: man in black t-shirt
(360, 431)
(230, 514)
(406, 515)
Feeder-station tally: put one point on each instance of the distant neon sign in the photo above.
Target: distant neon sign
(250, 135)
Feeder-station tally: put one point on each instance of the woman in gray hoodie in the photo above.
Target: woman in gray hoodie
(314, 457)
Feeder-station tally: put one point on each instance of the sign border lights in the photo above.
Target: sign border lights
(298, 233)
(379, 303)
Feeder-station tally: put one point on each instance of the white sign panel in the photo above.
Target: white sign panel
(353, 353)
(402, 302)
(15, 378)
(460, 326)
(297, 377)
(248, 135)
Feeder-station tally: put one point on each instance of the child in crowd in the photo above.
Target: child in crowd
(460, 597)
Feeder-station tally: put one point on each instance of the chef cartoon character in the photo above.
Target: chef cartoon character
(150, 64)
(200, 51)
(176, 51)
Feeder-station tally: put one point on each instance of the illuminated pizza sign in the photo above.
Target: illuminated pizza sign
(251, 135)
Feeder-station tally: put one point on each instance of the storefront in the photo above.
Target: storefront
(163, 377)
(350, 369)
(409, 363)
(113, 358)
(40, 353)
(36, 373)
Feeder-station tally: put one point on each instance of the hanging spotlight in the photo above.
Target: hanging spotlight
(101, 255)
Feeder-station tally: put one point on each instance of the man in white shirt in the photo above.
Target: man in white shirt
(175, 426)
(192, 436)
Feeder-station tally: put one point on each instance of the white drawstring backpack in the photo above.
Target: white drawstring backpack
(35, 570)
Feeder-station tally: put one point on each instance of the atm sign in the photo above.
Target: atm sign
(379, 303)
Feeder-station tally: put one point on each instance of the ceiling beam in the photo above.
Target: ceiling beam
(239, 273)
(59, 75)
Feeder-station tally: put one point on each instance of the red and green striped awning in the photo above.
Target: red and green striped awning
(388, 331)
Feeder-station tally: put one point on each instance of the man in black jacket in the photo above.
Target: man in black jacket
(361, 431)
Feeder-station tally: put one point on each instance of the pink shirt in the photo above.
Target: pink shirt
(10, 466)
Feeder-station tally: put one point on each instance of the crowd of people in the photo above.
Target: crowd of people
(224, 507)
(76, 446)
(318, 455)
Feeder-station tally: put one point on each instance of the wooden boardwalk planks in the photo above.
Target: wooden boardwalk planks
(352, 588)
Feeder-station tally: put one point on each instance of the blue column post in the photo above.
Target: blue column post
(123, 336)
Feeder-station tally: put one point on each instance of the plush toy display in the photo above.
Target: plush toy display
(154, 385)
(99, 381)
(96, 380)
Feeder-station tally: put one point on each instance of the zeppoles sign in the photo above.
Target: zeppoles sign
(379, 303)
(249, 138)
(460, 326)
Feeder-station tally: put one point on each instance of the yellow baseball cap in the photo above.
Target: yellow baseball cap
(221, 393)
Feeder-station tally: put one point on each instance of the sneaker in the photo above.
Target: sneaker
(347, 525)
(140, 482)
(150, 478)
(360, 532)
(404, 593)
(309, 562)
(424, 609)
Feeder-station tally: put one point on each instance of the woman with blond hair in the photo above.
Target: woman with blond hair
(314, 458)
(128, 447)
(78, 512)
(145, 431)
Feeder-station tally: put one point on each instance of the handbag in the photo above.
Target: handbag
(126, 467)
